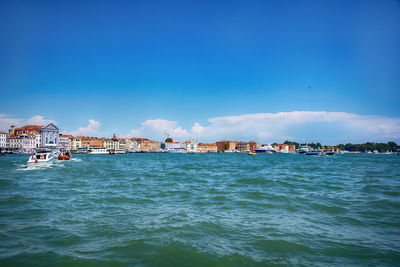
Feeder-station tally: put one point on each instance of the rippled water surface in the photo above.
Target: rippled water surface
(202, 210)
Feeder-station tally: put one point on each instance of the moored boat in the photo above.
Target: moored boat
(97, 151)
(315, 153)
(265, 149)
(329, 152)
(303, 149)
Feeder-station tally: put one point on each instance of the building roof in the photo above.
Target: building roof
(66, 135)
(2, 132)
(29, 127)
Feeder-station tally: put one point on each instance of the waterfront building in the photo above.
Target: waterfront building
(204, 148)
(75, 143)
(191, 146)
(254, 145)
(21, 143)
(3, 139)
(133, 146)
(123, 143)
(64, 142)
(243, 147)
(28, 129)
(174, 146)
(87, 141)
(49, 136)
(143, 144)
(110, 144)
(226, 145)
(155, 145)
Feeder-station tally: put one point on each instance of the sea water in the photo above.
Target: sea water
(201, 210)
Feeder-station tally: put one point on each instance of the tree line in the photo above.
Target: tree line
(369, 146)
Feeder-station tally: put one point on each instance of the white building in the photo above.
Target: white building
(133, 146)
(76, 143)
(49, 135)
(64, 142)
(177, 146)
(191, 146)
(22, 143)
(3, 139)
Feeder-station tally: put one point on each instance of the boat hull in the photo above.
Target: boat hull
(40, 162)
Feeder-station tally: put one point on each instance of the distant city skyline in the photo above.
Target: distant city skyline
(271, 71)
(329, 128)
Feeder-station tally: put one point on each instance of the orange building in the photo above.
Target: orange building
(143, 144)
(226, 145)
(253, 146)
(204, 148)
(91, 141)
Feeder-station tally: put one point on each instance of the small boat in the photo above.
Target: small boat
(116, 151)
(252, 154)
(315, 153)
(97, 151)
(329, 152)
(42, 157)
(64, 155)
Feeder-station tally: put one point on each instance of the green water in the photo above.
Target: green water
(201, 210)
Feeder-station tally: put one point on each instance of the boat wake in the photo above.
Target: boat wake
(75, 160)
(35, 167)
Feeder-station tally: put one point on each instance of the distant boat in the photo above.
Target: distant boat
(252, 154)
(329, 152)
(315, 153)
(303, 149)
(265, 149)
(231, 151)
(117, 151)
(82, 150)
(97, 151)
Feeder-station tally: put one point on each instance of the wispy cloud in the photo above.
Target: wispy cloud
(328, 127)
(6, 121)
(92, 128)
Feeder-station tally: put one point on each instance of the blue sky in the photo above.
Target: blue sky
(125, 63)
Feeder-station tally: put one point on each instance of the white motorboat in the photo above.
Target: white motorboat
(97, 151)
(42, 157)
(303, 149)
(265, 149)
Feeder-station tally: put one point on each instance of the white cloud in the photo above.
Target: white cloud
(159, 128)
(91, 129)
(322, 126)
(39, 120)
(6, 121)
